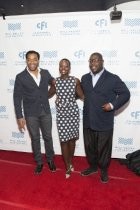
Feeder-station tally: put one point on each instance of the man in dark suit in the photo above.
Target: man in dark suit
(31, 94)
(104, 93)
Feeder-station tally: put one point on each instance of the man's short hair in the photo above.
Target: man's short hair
(32, 52)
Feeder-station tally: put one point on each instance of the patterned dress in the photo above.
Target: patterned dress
(67, 109)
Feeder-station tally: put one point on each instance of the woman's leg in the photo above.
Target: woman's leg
(66, 154)
(72, 144)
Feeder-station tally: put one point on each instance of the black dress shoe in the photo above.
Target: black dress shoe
(104, 176)
(52, 166)
(38, 169)
(89, 171)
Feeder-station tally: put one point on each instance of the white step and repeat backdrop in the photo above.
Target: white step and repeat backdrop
(74, 36)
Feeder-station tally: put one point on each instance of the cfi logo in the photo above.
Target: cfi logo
(101, 23)
(79, 54)
(42, 25)
(136, 115)
(137, 54)
(22, 54)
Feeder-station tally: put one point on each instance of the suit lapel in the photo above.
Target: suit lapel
(30, 79)
(89, 82)
(100, 81)
(41, 78)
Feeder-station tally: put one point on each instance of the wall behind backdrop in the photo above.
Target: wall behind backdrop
(74, 36)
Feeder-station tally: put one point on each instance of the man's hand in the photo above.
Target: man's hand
(106, 107)
(21, 124)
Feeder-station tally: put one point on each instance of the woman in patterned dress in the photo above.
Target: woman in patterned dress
(67, 89)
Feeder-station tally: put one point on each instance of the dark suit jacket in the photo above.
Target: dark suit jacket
(32, 97)
(108, 89)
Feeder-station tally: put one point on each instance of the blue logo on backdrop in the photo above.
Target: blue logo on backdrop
(11, 82)
(42, 25)
(53, 112)
(50, 54)
(135, 115)
(2, 108)
(79, 54)
(132, 22)
(49, 58)
(112, 57)
(135, 59)
(22, 54)
(14, 30)
(134, 87)
(2, 59)
(70, 28)
(41, 29)
(101, 23)
(14, 26)
(131, 84)
(124, 145)
(11, 86)
(110, 53)
(132, 25)
(134, 118)
(1, 55)
(81, 113)
(125, 141)
(137, 54)
(3, 112)
(17, 135)
(17, 138)
(21, 58)
(101, 27)
(70, 24)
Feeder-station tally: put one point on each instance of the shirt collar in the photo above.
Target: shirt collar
(98, 74)
(31, 72)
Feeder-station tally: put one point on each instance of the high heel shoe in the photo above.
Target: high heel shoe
(71, 167)
(68, 173)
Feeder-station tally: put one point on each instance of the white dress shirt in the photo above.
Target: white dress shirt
(95, 78)
(36, 78)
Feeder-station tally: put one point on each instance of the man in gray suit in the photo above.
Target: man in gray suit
(104, 93)
(31, 95)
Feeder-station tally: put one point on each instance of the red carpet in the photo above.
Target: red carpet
(20, 189)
